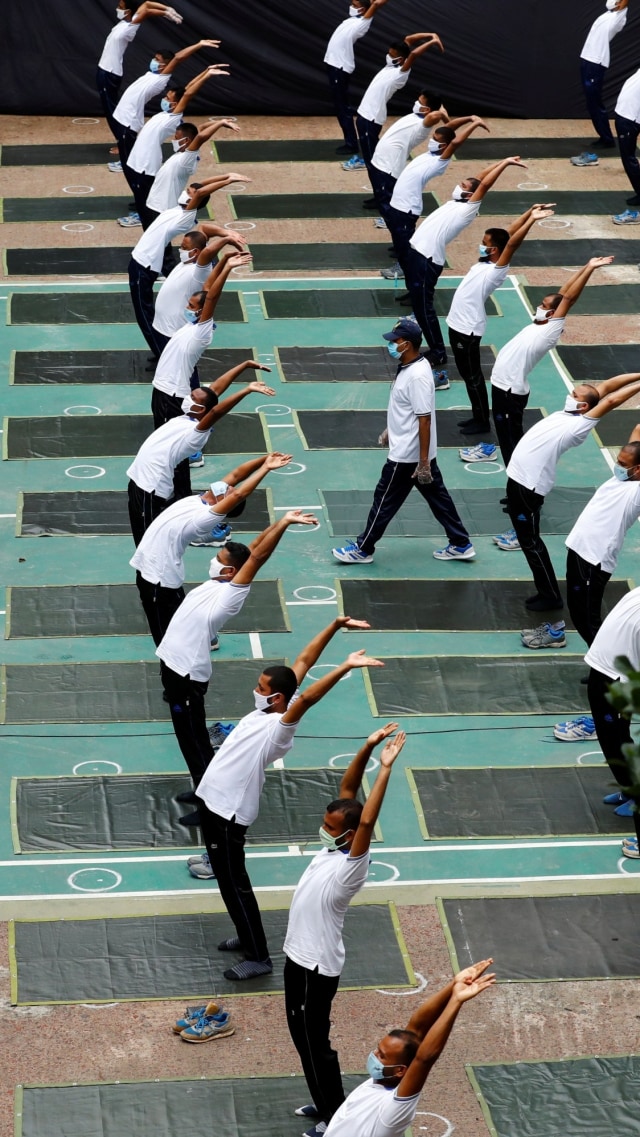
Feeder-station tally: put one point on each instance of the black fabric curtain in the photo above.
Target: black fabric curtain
(503, 57)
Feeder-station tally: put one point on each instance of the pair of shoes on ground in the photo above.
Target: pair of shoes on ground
(507, 541)
(219, 536)
(481, 452)
(131, 221)
(545, 635)
(630, 848)
(311, 1113)
(204, 1023)
(351, 554)
(355, 162)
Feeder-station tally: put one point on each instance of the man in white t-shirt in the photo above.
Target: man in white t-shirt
(151, 472)
(185, 650)
(531, 473)
(594, 61)
(411, 437)
(467, 317)
(173, 175)
(386, 1105)
(428, 253)
(313, 948)
(340, 64)
(392, 152)
(627, 120)
(231, 786)
(159, 558)
(190, 275)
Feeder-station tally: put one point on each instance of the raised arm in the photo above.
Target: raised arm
(214, 291)
(263, 546)
(571, 289)
(489, 177)
(180, 56)
(244, 469)
(312, 652)
(223, 408)
(194, 86)
(208, 129)
(472, 124)
(613, 393)
(422, 41)
(354, 773)
(371, 809)
(374, 7)
(240, 492)
(223, 383)
(518, 234)
(321, 687)
(150, 8)
(212, 185)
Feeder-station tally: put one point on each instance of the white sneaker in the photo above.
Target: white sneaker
(482, 452)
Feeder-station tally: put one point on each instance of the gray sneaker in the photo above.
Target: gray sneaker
(544, 636)
(201, 869)
(394, 272)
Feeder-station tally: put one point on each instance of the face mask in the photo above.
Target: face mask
(391, 61)
(356, 11)
(484, 250)
(186, 404)
(621, 473)
(542, 314)
(216, 568)
(120, 13)
(191, 316)
(262, 702)
(184, 197)
(375, 1067)
(177, 143)
(459, 194)
(330, 842)
(419, 109)
(570, 404)
(433, 147)
(611, 5)
(394, 351)
(165, 105)
(185, 255)
(154, 66)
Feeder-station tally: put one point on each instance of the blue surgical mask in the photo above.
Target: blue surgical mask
(394, 351)
(165, 105)
(154, 66)
(375, 1068)
(484, 250)
(329, 842)
(191, 316)
(621, 472)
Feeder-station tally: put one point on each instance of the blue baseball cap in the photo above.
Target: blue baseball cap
(405, 329)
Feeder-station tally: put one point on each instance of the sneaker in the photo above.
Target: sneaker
(380, 223)
(481, 452)
(201, 868)
(618, 798)
(306, 1111)
(626, 809)
(215, 644)
(441, 379)
(585, 159)
(629, 217)
(192, 1014)
(196, 460)
(206, 1027)
(394, 272)
(630, 847)
(354, 163)
(316, 1130)
(352, 555)
(196, 858)
(131, 221)
(115, 167)
(559, 626)
(581, 729)
(507, 541)
(456, 553)
(544, 636)
(219, 536)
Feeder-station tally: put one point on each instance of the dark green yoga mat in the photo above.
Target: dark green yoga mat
(280, 150)
(61, 154)
(470, 685)
(592, 363)
(95, 308)
(581, 202)
(576, 1097)
(73, 262)
(139, 811)
(447, 605)
(115, 610)
(74, 207)
(108, 436)
(596, 300)
(339, 255)
(572, 251)
(615, 428)
(348, 304)
(77, 367)
(352, 364)
(527, 801)
(160, 1107)
(175, 957)
(494, 149)
(74, 513)
(548, 937)
(360, 430)
(116, 692)
(303, 205)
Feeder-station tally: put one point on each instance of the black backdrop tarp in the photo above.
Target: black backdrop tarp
(503, 57)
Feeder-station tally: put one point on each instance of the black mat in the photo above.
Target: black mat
(581, 202)
(76, 513)
(175, 957)
(527, 801)
(95, 308)
(616, 427)
(571, 251)
(596, 300)
(115, 610)
(83, 261)
(116, 692)
(466, 685)
(160, 1107)
(360, 430)
(348, 303)
(139, 811)
(595, 362)
(575, 1098)
(303, 258)
(493, 148)
(352, 364)
(279, 150)
(61, 154)
(447, 605)
(71, 207)
(303, 205)
(76, 367)
(548, 937)
(109, 436)
(479, 509)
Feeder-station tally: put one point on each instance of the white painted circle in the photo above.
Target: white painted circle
(533, 185)
(431, 1129)
(460, 407)
(80, 276)
(240, 226)
(81, 408)
(325, 667)
(245, 273)
(85, 121)
(78, 191)
(237, 187)
(555, 223)
(298, 527)
(98, 762)
(219, 117)
(289, 470)
(101, 472)
(472, 467)
(320, 592)
(372, 764)
(422, 985)
(395, 873)
(96, 880)
(273, 409)
(586, 754)
(622, 866)
(78, 227)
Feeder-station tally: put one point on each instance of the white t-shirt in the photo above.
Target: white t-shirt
(440, 227)
(130, 109)
(598, 534)
(535, 459)
(146, 156)
(171, 179)
(174, 295)
(373, 1110)
(158, 557)
(393, 149)
(520, 355)
(180, 357)
(383, 85)
(116, 44)
(318, 908)
(596, 46)
(628, 104)
(339, 51)
(467, 312)
(233, 781)
(407, 193)
(618, 635)
(412, 394)
(149, 251)
(186, 646)
(160, 453)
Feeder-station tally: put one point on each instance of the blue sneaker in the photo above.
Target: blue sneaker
(618, 798)
(196, 460)
(219, 536)
(481, 452)
(352, 555)
(456, 553)
(441, 379)
(584, 159)
(627, 809)
(630, 847)
(192, 1014)
(206, 1027)
(629, 217)
(354, 163)
(581, 729)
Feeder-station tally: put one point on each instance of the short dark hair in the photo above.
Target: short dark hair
(554, 300)
(202, 296)
(411, 1043)
(499, 237)
(210, 398)
(239, 509)
(197, 238)
(166, 53)
(238, 553)
(475, 182)
(282, 680)
(178, 91)
(401, 47)
(349, 807)
(591, 397)
(633, 448)
(444, 134)
(431, 99)
(188, 129)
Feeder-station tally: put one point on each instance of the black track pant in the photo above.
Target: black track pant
(186, 704)
(613, 733)
(585, 588)
(224, 840)
(308, 997)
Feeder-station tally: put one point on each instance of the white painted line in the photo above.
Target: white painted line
(7, 514)
(306, 603)
(282, 508)
(256, 645)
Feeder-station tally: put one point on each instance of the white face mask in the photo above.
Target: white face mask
(184, 197)
(330, 842)
(570, 404)
(120, 13)
(433, 146)
(185, 255)
(419, 109)
(542, 314)
(262, 702)
(216, 568)
(356, 11)
(186, 404)
(459, 194)
(391, 61)
(611, 4)
(178, 144)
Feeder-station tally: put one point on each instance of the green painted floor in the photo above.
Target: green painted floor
(308, 574)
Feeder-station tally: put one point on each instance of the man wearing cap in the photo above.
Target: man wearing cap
(411, 437)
